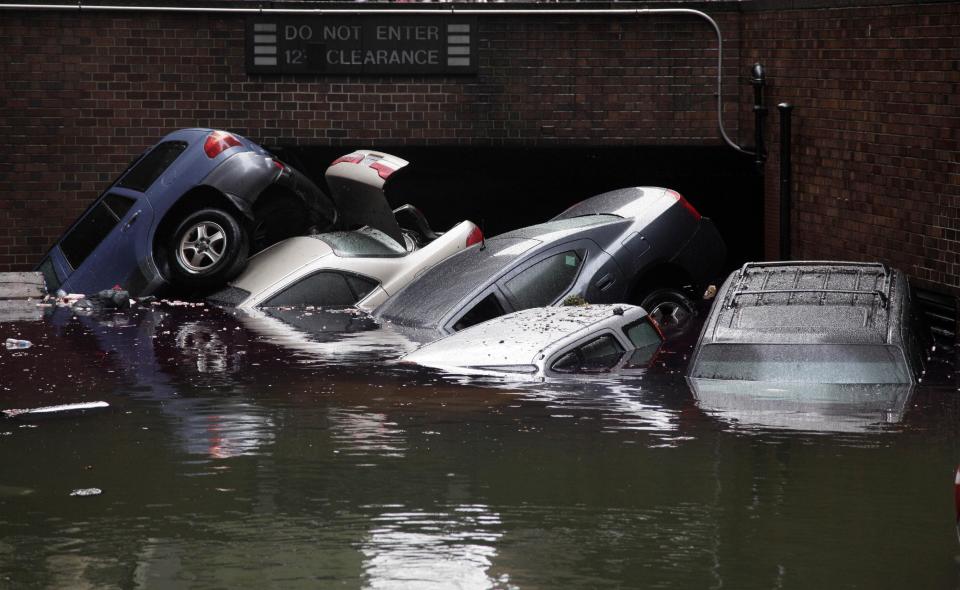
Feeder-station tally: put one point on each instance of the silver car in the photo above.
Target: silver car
(645, 246)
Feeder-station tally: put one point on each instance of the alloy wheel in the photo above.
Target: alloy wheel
(202, 247)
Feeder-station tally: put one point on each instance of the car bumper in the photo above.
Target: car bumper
(704, 254)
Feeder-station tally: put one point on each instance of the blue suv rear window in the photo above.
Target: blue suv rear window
(150, 167)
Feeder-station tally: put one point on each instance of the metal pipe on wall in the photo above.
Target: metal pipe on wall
(758, 77)
(786, 181)
(453, 10)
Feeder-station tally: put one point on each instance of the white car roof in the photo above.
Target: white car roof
(287, 262)
(518, 338)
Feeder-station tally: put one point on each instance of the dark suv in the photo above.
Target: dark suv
(812, 322)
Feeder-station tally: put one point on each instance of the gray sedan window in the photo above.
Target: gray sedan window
(425, 301)
(544, 282)
(488, 308)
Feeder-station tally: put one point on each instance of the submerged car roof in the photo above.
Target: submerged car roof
(808, 303)
(426, 300)
(518, 337)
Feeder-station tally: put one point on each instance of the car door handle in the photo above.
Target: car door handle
(604, 282)
(133, 219)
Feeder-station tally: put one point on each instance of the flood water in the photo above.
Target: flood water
(249, 451)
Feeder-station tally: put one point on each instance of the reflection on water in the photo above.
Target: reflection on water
(417, 549)
(365, 433)
(253, 451)
(228, 431)
(816, 407)
(337, 336)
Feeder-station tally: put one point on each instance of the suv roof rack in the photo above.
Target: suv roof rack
(825, 267)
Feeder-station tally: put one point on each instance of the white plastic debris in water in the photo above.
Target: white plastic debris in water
(64, 299)
(54, 410)
(86, 492)
(13, 343)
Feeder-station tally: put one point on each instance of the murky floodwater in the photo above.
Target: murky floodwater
(245, 451)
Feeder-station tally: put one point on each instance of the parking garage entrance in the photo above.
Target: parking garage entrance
(503, 188)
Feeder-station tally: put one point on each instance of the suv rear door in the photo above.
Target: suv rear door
(107, 245)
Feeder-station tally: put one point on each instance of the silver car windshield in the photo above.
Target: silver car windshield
(802, 363)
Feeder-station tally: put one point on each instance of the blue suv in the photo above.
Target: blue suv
(187, 212)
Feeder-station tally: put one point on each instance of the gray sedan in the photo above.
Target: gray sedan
(644, 245)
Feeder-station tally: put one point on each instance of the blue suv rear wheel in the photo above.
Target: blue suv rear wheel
(208, 248)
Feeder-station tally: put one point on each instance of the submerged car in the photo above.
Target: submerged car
(640, 245)
(812, 322)
(362, 266)
(549, 342)
(186, 212)
(811, 407)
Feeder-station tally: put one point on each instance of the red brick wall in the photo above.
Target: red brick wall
(876, 157)
(84, 93)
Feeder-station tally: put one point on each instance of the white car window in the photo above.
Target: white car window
(596, 356)
(323, 289)
(642, 333)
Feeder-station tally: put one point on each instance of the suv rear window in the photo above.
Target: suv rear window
(150, 167)
(802, 363)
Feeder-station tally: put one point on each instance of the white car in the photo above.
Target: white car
(549, 342)
(362, 266)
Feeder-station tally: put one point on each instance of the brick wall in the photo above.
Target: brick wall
(876, 129)
(876, 158)
(84, 93)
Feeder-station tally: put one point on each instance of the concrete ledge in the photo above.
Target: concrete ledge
(22, 285)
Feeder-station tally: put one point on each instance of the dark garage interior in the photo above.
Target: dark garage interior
(506, 188)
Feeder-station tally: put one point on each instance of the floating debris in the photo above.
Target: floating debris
(54, 411)
(86, 492)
